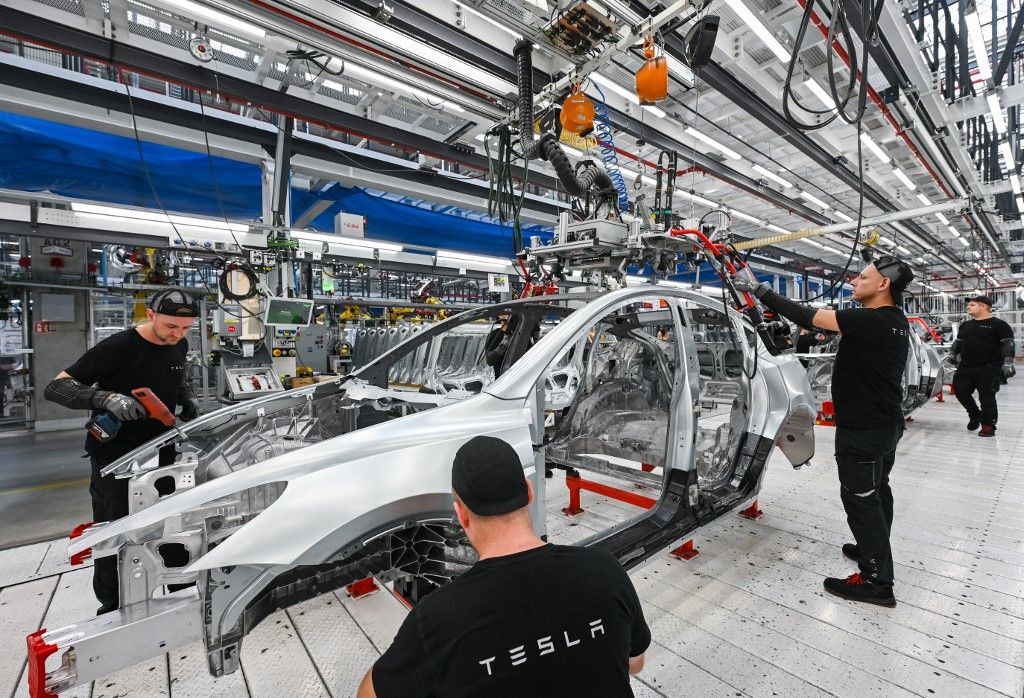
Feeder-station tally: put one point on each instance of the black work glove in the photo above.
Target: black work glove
(743, 282)
(1009, 371)
(189, 406)
(123, 407)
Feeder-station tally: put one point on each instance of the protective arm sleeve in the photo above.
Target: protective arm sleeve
(70, 393)
(1009, 350)
(801, 314)
(954, 352)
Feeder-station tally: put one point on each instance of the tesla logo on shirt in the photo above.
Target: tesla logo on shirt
(899, 332)
(545, 645)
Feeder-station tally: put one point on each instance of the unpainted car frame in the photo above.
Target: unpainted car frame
(281, 498)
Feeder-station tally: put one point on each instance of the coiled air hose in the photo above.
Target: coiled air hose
(546, 147)
(606, 144)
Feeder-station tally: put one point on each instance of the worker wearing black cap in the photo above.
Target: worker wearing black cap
(983, 355)
(152, 356)
(528, 619)
(867, 393)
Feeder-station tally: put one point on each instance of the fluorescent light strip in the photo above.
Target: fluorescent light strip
(157, 217)
(771, 175)
(840, 214)
(902, 249)
(942, 219)
(728, 152)
(924, 199)
(1015, 183)
(777, 229)
(995, 109)
(744, 216)
(814, 200)
(614, 87)
(874, 148)
(964, 242)
(820, 93)
(697, 199)
(977, 38)
(762, 32)
(492, 22)
(376, 79)
(464, 258)
(364, 243)
(956, 233)
(902, 176)
(1007, 154)
(195, 10)
(1020, 204)
(660, 113)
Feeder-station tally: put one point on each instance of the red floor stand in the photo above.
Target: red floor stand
(364, 587)
(686, 551)
(576, 483)
(827, 415)
(752, 512)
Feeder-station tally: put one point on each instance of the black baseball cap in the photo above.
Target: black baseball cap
(899, 274)
(174, 302)
(488, 477)
(981, 298)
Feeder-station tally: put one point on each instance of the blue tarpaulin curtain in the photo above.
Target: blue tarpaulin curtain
(38, 155)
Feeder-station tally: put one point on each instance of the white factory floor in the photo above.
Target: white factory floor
(747, 617)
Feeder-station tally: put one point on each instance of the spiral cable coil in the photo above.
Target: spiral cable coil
(606, 145)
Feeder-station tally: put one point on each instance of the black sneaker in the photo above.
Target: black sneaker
(987, 430)
(856, 588)
(851, 551)
(974, 423)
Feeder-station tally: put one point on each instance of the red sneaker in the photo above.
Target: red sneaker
(987, 430)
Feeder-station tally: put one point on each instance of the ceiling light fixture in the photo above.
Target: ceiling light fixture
(762, 32)
(873, 147)
(903, 249)
(964, 242)
(222, 19)
(956, 233)
(462, 258)
(995, 109)
(728, 152)
(977, 38)
(942, 219)
(814, 200)
(924, 199)
(902, 176)
(840, 214)
(771, 175)
(820, 93)
(1009, 162)
(659, 113)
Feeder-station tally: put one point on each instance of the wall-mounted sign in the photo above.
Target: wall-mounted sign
(57, 246)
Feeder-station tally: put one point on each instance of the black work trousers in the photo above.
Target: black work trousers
(109, 502)
(865, 458)
(984, 380)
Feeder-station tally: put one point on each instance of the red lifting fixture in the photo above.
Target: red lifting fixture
(575, 483)
(79, 558)
(752, 512)
(686, 551)
(364, 587)
(38, 651)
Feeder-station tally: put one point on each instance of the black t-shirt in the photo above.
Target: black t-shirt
(552, 621)
(121, 363)
(867, 379)
(982, 342)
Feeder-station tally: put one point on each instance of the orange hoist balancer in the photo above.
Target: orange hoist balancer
(577, 113)
(652, 78)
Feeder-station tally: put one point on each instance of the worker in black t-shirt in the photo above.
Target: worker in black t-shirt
(528, 619)
(983, 355)
(867, 392)
(149, 356)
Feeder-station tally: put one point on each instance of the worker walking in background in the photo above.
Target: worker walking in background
(867, 391)
(102, 379)
(983, 355)
(528, 619)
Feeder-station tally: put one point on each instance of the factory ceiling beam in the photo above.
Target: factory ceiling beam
(307, 152)
(82, 43)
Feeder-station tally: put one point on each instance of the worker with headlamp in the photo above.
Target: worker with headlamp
(867, 393)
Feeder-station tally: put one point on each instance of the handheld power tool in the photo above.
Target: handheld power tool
(105, 426)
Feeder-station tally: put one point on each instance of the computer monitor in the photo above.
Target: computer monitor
(289, 312)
